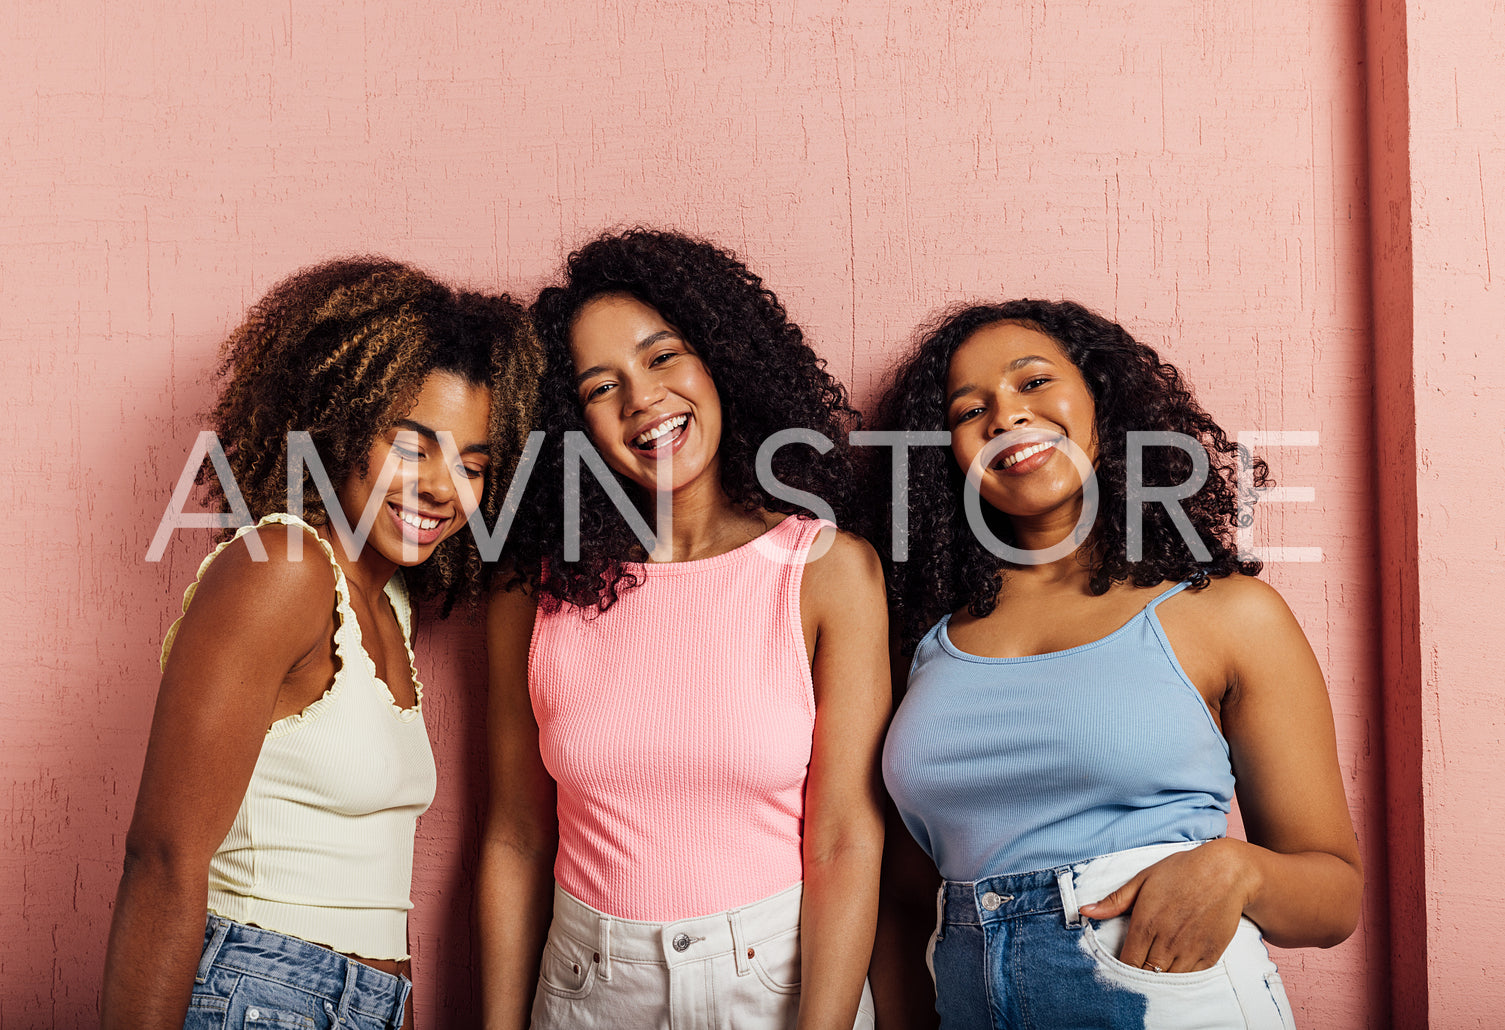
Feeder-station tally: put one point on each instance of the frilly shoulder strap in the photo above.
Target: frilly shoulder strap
(342, 590)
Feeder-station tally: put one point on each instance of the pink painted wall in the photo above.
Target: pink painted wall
(1197, 170)
(1451, 719)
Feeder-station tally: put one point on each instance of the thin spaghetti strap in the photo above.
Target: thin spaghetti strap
(1169, 593)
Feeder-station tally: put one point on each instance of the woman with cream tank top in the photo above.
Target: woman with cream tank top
(685, 828)
(269, 862)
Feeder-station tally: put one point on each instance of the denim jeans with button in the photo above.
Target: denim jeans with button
(253, 978)
(1014, 952)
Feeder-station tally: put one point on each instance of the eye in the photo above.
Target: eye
(471, 473)
(967, 415)
(1030, 384)
(407, 453)
(599, 390)
(661, 357)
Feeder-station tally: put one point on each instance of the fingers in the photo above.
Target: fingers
(1162, 953)
(1117, 903)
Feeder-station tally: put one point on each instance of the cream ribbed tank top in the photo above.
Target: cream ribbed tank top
(322, 847)
(678, 727)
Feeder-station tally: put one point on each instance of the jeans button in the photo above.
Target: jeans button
(991, 901)
(253, 1014)
(682, 942)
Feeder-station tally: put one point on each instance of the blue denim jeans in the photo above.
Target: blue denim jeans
(1013, 952)
(252, 978)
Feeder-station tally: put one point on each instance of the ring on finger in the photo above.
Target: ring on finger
(1151, 967)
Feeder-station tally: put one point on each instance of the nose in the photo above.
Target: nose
(1008, 417)
(436, 482)
(642, 393)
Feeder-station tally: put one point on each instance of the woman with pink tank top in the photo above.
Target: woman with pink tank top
(685, 827)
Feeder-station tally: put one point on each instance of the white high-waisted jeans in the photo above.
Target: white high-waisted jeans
(735, 970)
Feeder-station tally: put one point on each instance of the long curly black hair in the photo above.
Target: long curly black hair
(766, 374)
(340, 350)
(1132, 389)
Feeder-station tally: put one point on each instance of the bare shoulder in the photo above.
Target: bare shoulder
(295, 579)
(842, 586)
(1244, 606)
(840, 559)
(510, 610)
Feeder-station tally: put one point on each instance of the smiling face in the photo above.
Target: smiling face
(428, 497)
(1006, 378)
(645, 394)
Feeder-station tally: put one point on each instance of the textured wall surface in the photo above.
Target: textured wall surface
(1457, 212)
(1196, 170)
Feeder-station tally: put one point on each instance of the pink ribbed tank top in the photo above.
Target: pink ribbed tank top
(677, 725)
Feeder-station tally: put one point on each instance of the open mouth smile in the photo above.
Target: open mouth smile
(1025, 457)
(664, 433)
(414, 525)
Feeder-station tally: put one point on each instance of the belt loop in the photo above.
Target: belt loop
(603, 946)
(352, 970)
(404, 988)
(216, 929)
(739, 943)
(1065, 879)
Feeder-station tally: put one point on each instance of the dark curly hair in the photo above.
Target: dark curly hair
(1132, 389)
(766, 374)
(340, 350)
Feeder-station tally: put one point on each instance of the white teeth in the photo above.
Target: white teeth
(667, 426)
(1028, 452)
(418, 521)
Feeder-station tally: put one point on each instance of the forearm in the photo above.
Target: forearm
(903, 992)
(514, 905)
(1304, 900)
(838, 916)
(156, 938)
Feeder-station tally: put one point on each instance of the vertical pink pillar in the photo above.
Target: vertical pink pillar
(1437, 154)
(1395, 440)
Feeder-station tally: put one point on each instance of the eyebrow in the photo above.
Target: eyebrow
(1012, 366)
(433, 436)
(643, 344)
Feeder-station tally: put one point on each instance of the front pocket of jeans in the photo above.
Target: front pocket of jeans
(777, 962)
(567, 970)
(1133, 974)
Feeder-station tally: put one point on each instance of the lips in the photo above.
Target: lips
(1025, 457)
(422, 528)
(661, 433)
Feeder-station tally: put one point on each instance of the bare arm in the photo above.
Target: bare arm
(1299, 876)
(842, 595)
(903, 991)
(514, 888)
(250, 623)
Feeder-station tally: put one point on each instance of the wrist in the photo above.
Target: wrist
(1241, 863)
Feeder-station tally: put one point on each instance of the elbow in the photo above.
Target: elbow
(854, 846)
(1350, 903)
(163, 859)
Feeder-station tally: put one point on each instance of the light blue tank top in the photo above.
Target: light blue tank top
(1009, 765)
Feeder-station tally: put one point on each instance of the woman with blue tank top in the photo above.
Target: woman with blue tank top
(1091, 685)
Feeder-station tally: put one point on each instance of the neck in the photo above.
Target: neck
(367, 574)
(706, 523)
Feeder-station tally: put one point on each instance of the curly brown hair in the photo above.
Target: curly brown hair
(766, 374)
(340, 350)
(1132, 389)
